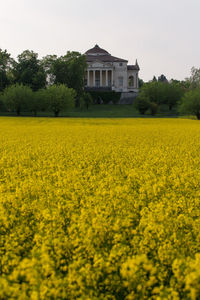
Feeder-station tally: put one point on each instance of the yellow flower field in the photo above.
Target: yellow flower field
(99, 208)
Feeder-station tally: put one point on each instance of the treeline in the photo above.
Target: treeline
(33, 84)
(183, 96)
(56, 83)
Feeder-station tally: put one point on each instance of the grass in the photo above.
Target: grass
(101, 111)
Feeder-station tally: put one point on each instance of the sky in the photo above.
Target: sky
(162, 35)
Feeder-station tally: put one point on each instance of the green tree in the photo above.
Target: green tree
(142, 103)
(168, 93)
(154, 78)
(153, 108)
(140, 82)
(29, 71)
(39, 102)
(87, 99)
(70, 70)
(48, 63)
(173, 93)
(59, 98)
(155, 91)
(190, 103)
(6, 63)
(162, 78)
(17, 98)
(194, 79)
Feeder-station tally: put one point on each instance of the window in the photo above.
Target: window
(120, 80)
(120, 64)
(131, 81)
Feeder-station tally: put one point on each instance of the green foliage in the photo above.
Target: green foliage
(2, 105)
(173, 94)
(162, 78)
(70, 70)
(87, 100)
(106, 97)
(47, 63)
(194, 79)
(140, 82)
(59, 98)
(153, 108)
(191, 103)
(142, 103)
(154, 78)
(163, 92)
(17, 98)
(5, 66)
(39, 101)
(154, 91)
(29, 71)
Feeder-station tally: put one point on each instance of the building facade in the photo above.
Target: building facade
(106, 72)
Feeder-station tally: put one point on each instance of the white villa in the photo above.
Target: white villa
(106, 72)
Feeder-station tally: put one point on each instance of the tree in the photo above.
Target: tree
(173, 94)
(5, 66)
(87, 99)
(168, 93)
(154, 90)
(17, 98)
(194, 79)
(162, 78)
(153, 108)
(154, 78)
(47, 63)
(59, 98)
(39, 102)
(70, 70)
(29, 71)
(142, 103)
(140, 82)
(191, 103)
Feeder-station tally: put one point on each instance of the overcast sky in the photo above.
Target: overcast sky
(163, 35)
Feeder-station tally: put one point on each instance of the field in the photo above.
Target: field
(99, 208)
(101, 111)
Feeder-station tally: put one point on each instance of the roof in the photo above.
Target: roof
(104, 58)
(97, 53)
(96, 50)
(133, 67)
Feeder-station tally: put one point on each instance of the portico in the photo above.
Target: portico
(99, 77)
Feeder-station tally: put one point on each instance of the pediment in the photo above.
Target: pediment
(100, 64)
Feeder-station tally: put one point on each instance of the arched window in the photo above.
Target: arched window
(131, 81)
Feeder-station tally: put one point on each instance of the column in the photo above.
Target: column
(88, 78)
(94, 78)
(106, 77)
(101, 78)
(111, 77)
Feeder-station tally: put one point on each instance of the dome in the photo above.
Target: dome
(96, 50)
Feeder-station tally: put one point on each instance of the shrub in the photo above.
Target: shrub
(153, 108)
(106, 97)
(59, 97)
(39, 102)
(191, 103)
(142, 103)
(17, 98)
(87, 100)
(2, 105)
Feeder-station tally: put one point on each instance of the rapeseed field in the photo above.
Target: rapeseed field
(99, 208)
